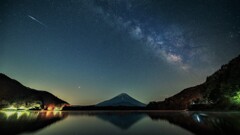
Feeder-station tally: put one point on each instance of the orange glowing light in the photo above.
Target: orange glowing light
(50, 107)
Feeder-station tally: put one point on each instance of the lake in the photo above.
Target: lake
(119, 122)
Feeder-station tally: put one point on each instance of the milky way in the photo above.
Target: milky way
(86, 51)
(173, 42)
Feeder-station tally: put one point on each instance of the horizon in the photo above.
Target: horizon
(86, 52)
(119, 94)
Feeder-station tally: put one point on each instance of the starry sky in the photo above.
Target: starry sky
(86, 51)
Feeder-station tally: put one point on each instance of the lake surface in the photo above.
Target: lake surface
(118, 123)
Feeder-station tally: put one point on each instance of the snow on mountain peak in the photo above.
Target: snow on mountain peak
(122, 99)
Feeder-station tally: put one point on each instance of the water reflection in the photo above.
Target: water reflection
(80, 122)
(202, 122)
(16, 122)
(123, 120)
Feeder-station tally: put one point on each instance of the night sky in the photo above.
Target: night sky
(86, 51)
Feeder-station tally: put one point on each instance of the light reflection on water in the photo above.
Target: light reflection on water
(16, 122)
(125, 122)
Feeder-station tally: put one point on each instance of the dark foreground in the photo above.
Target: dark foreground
(119, 122)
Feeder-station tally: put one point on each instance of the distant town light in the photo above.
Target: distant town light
(23, 108)
(10, 108)
(50, 108)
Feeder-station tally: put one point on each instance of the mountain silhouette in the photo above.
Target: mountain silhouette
(15, 95)
(121, 100)
(219, 91)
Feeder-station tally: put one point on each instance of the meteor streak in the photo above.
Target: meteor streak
(33, 18)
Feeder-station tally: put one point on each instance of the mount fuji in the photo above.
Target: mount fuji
(122, 100)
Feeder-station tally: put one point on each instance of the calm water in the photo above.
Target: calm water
(124, 123)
